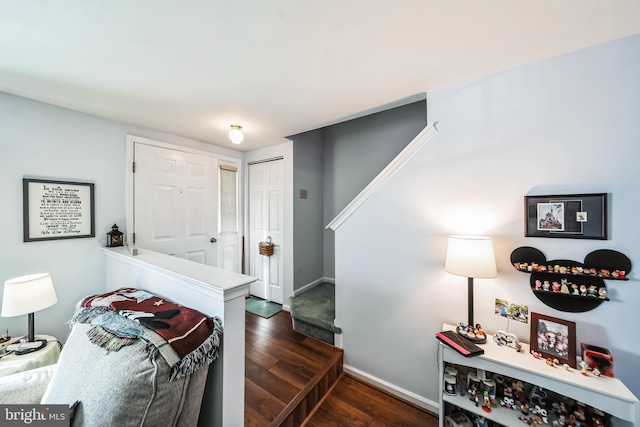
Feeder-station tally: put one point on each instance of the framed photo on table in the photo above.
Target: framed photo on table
(57, 210)
(571, 216)
(554, 338)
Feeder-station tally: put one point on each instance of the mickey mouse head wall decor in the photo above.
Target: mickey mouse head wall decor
(568, 285)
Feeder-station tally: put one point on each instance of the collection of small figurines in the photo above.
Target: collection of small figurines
(536, 406)
(472, 332)
(576, 290)
(575, 270)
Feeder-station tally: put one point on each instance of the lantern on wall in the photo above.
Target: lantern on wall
(115, 237)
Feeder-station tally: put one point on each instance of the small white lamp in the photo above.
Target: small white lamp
(235, 134)
(471, 256)
(26, 295)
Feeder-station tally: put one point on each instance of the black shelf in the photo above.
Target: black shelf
(555, 282)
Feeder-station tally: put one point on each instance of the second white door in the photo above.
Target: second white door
(266, 206)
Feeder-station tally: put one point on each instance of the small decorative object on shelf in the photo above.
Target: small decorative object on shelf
(473, 333)
(598, 357)
(554, 339)
(114, 237)
(568, 285)
(508, 339)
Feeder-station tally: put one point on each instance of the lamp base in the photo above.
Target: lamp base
(473, 334)
(31, 347)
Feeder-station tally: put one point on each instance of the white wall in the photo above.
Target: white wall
(44, 141)
(565, 125)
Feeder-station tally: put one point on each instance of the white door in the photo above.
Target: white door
(266, 206)
(175, 203)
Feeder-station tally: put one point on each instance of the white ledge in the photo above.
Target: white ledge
(386, 173)
(220, 284)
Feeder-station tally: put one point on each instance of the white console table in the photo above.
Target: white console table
(607, 394)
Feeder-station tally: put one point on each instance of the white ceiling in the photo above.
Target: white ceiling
(277, 67)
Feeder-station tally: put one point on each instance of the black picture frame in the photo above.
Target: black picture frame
(553, 338)
(55, 210)
(569, 216)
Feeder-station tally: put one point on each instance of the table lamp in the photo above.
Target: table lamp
(26, 295)
(472, 257)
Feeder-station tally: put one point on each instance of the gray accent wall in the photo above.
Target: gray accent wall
(341, 160)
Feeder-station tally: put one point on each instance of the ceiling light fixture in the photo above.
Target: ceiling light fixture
(235, 134)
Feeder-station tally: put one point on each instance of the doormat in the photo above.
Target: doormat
(262, 307)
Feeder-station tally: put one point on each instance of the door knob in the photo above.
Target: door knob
(213, 240)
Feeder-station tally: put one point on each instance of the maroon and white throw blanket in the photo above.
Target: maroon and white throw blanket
(193, 337)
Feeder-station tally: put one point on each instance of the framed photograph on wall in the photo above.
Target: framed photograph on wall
(553, 338)
(572, 216)
(57, 210)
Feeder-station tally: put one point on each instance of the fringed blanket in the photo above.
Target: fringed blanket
(186, 338)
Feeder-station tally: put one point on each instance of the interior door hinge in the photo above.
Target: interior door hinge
(134, 167)
(134, 238)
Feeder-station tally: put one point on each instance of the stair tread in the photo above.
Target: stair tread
(316, 307)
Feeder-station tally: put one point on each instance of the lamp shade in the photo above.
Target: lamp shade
(28, 294)
(471, 256)
(235, 134)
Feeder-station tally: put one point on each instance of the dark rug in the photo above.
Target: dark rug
(262, 307)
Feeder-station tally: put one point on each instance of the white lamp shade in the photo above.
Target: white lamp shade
(471, 256)
(235, 134)
(28, 294)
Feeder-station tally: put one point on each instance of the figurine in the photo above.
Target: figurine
(546, 285)
(584, 366)
(592, 290)
(486, 402)
(555, 287)
(583, 290)
(596, 372)
(480, 422)
(602, 293)
(575, 289)
(565, 287)
(538, 285)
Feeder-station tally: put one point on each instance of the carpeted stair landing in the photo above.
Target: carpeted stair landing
(314, 311)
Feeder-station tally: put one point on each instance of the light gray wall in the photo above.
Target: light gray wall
(355, 152)
(308, 222)
(565, 125)
(44, 141)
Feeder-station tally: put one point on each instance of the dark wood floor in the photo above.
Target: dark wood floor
(353, 403)
(287, 374)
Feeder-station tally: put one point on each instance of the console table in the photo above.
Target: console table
(607, 394)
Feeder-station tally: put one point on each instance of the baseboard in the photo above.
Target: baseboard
(313, 284)
(399, 392)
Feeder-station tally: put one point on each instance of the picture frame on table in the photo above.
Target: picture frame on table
(57, 209)
(553, 338)
(569, 216)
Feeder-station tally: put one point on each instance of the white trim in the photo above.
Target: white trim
(407, 395)
(213, 282)
(417, 143)
(312, 285)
